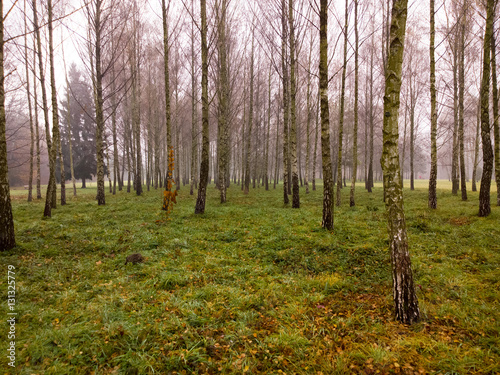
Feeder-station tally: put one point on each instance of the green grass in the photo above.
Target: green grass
(251, 286)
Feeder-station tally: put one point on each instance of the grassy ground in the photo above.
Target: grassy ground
(251, 286)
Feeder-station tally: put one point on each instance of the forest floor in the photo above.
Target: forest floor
(251, 286)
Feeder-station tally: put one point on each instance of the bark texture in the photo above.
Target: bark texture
(7, 235)
(352, 201)
(293, 111)
(55, 118)
(496, 130)
(405, 298)
(284, 70)
(432, 201)
(326, 157)
(223, 94)
(461, 91)
(484, 191)
(99, 105)
(202, 189)
(341, 115)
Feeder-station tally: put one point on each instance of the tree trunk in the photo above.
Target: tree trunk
(68, 121)
(341, 115)
(223, 109)
(284, 69)
(136, 115)
(496, 130)
(276, 154)
(328, 213)
(63, 174)
(352, 202)
(476, 147)
(454, 161)
(293, 111)
(28, 93)
(405, 299)
(51, 189)
(315, 152)
(202, 189)
(461, 90)
(248, 136)
(484, 192)
(266, 163)
(194, 119)
(432, 202)
(99, 104)
(7, 235)
(48, 201)
(114, 107)
(37, 129)
(308, 117)
(412, 139)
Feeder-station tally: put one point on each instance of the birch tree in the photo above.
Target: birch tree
(484, 191)
(202, 189)
(405, 298)
(7, 235)
(432, 202)
(326, 157)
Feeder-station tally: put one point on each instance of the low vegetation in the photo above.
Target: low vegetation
(251, 286)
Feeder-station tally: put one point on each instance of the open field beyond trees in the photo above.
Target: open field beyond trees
(251, 286)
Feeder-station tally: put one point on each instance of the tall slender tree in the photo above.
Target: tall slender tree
(328, 213)
(496, 127)
(352, 201)
(223, 96)
(51, 188)
(461, 95)
(284, 78)
(405, 298)
(432, 202)
(248, 135)
(7, 234)
(342, 106)
(293, 110)
(202, 189)
(68, 121)
(30, 111)
(37, 125)
(484, 191)
(308, 116)
(48, 201)
(194, 113)
(97, 21)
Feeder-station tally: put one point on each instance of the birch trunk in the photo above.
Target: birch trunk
(293, 111)
(352, 202)
(202, 189)
(223, 102)
(405, 299)
(284, 69)
(248, 136)
(48, 201)
(461, 90)
(30, 111)
(328, 213)
(99, 104)
(51, 189)
(341, 115)
(7, 235)
(432, 202)
(484, 192)
(194, 119)
(496, 130)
